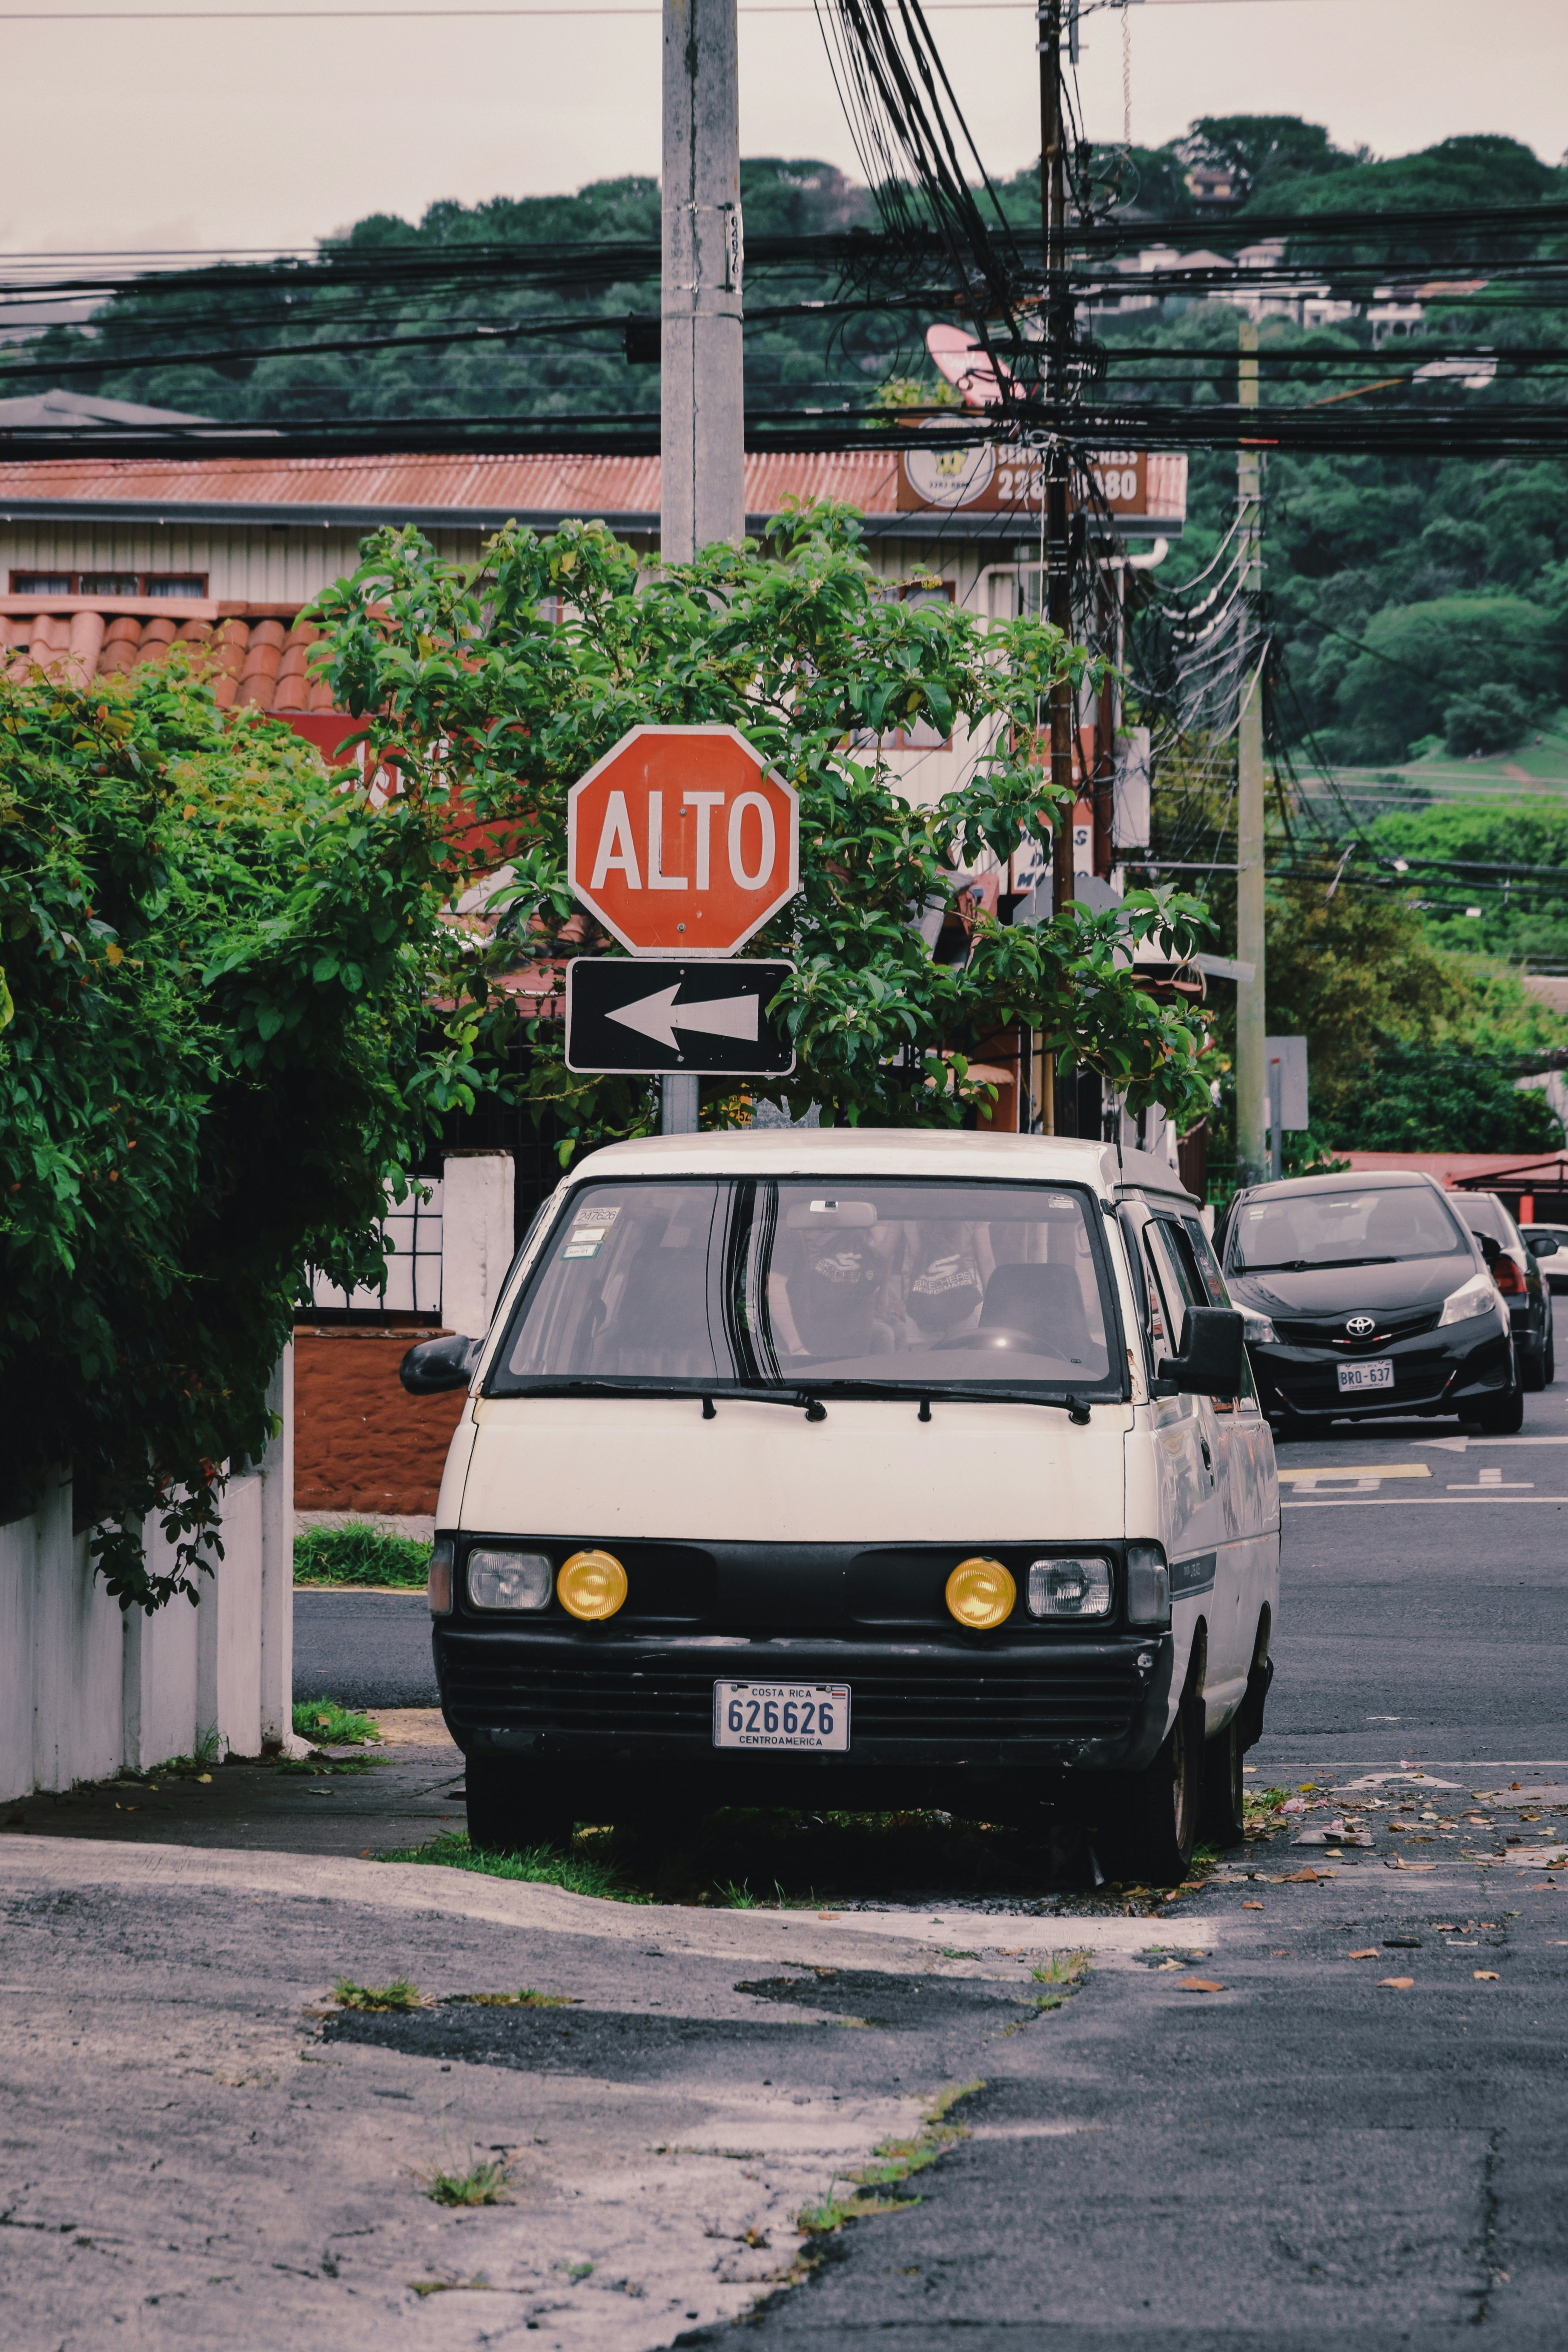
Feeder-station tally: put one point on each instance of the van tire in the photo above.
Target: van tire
(513, 1806)
(1152, 1825)
(1224, 1814)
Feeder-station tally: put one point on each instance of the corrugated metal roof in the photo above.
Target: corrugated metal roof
(623, 488)
(533, 485)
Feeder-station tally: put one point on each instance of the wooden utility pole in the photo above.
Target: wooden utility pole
(703, 486)
(1251, 1077)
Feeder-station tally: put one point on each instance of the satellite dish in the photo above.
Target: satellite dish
(964, 362)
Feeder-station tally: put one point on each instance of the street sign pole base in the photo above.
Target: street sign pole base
(677, 1105)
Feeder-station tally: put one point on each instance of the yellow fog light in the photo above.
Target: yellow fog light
(592, 1584)
(981, 1593)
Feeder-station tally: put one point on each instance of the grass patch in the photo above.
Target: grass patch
(332, 1725)
(360, 1554)
(334, 1768)
(484, 2183)
(893, 2162)
(398, 1994)
(1063, 1975)
(525, 1998)
(579, 1873)
(477, 2284)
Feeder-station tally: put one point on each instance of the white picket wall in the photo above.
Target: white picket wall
(85, 1689)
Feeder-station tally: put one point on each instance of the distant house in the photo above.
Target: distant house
(106, 562)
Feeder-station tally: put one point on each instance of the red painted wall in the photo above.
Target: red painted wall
(361, 1444)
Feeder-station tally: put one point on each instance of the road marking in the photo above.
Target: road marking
(1384, 1470)
(1459, 1444)
(1489, 1482)
(1413, 1502)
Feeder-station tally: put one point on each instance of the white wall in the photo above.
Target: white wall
(85, 1688)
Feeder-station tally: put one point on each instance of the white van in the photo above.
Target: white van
(859, 1468)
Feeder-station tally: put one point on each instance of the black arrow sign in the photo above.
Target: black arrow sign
(637, 1017)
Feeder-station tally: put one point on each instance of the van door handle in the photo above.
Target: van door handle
(1208, 1457)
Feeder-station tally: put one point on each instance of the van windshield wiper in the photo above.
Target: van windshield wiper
(638, 1384)
(960, 1392)
(1319, 1264)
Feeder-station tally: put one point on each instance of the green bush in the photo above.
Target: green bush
(214, 1048)
(360, 1554)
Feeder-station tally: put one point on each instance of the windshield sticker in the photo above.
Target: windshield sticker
(589, 1228)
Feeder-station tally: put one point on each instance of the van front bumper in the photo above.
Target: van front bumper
(591, 1695)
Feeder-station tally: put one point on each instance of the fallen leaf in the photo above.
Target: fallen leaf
(1298, 1877)
(1252, 1906)
(1369, 1954)
(1199, 1984)
(1485, 1976)
(830, 1915)
(1395, 1984)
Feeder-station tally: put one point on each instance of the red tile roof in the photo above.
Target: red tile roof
(258, 661)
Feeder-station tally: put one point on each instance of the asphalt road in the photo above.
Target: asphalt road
(365, 1649)
(1317, 2106)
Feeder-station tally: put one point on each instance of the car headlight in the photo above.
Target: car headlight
(1070, 1588)
(1477, 1297)
(508, 1579)
(1257, 1328)
(1148, 1585)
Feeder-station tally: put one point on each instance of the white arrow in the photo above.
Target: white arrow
(659, 1016)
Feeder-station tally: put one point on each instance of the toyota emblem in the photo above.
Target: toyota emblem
(1360, 1326)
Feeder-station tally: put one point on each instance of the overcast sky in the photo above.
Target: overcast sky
(267, 134)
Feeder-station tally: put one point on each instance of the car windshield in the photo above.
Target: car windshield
(1295, 1230)
(816, 1282)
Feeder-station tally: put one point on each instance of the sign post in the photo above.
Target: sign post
(683, 844)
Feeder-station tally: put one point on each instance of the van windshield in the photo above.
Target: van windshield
(815, 1282)
(1297, 1231)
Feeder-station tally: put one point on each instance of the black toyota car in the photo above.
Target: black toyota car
(1367, 1296)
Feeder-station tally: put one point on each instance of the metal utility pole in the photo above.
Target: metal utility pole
(702, 488)
(1251, 1077)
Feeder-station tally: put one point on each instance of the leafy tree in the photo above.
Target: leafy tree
(1488, 719)
(796, 644)
(1265, 151)
(1401, 686)
(1444, 1097)
(214, 1046)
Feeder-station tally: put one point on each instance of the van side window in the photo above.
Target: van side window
(1206, 1263)
(1166, 1301)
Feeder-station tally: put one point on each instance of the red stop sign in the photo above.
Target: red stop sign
(682, 842)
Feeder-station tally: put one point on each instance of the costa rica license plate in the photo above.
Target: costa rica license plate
(1377, 1372)
(781, 1715)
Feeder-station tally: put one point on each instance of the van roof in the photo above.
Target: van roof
(872, 1151)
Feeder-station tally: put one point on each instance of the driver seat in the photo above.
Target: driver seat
(1043, 1302)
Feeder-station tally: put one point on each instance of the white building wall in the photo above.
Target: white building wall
(85, 1688)
(255, 563)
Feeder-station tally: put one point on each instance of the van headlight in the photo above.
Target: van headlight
(979, 1593)
(1474, 1298)
(508, 1579)
(1070, 1588)
(592, 1585)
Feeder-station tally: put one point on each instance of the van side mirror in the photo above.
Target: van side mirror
(1212, 1358)
(1540, 1245)
(437, 1364)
